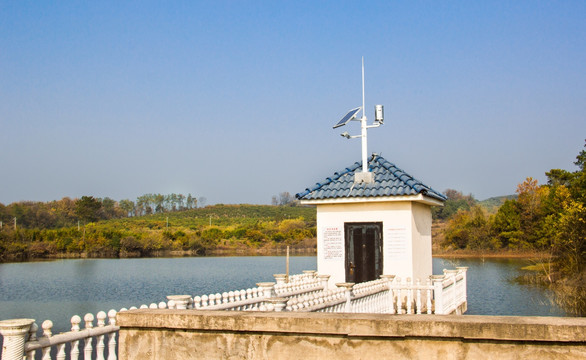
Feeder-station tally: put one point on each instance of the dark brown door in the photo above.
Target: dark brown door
(363, 251)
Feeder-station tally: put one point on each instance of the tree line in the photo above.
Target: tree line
(69, 212)
(549, 218)
(194, 231)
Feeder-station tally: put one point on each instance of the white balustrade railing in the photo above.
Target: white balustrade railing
(258, 298)
(242, 300)
(390, 295)
(21, 339)
(441, 294)
(105, 336)
(450, 291)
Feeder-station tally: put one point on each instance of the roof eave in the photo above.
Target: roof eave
(420, 198)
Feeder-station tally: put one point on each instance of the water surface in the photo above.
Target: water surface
(57, 290)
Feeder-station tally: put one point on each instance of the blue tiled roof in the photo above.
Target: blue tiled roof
(389, 180)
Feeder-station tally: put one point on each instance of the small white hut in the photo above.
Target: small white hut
(374, 223)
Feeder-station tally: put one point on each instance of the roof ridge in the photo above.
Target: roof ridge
(403, 173)
(393, 181)
(419, 183)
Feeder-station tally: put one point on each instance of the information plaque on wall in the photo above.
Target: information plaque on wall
(396, 243)
(333, 244)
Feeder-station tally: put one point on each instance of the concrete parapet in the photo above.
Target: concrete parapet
(185, 334)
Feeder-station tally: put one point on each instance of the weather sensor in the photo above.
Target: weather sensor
(378, 121)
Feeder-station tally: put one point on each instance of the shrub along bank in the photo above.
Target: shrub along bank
(195, 231)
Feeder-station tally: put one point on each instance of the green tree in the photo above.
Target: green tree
(469, 229)
(506, 226)
(87, 208)
(455, 201)
(127, 206)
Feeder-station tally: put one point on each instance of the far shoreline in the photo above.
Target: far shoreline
(467, 254)
(458, 254)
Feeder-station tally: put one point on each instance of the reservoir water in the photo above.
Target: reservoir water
(56, 290)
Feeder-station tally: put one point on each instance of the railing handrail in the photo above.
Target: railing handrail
(70, 336)
(233, 304)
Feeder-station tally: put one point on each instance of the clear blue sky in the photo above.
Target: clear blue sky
(235, 100)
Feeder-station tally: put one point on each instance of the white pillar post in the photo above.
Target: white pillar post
(324, 280)
(310, 274)
(438, 287)
(268, 289)
(464, 271)
(390, 308)
(279, 303)
(14, 333)
(348, 293)
(280, 278)
(452, 273)
(181, 301)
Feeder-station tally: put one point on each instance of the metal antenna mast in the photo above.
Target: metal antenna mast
(363, 127)
(351, 115)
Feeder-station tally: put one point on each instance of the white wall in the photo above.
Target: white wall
(422, 259)
(406, 237)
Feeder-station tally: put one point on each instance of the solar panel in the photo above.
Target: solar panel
(350, 116)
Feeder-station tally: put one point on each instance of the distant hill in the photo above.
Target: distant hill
(494, 203)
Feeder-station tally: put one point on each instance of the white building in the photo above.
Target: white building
(373, 225)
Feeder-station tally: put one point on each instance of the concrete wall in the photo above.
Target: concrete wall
(406, 237)
(188, 334)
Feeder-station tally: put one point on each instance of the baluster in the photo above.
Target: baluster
(32, 336)
(162, 305)
(74, 352)
(112, 336)
(392, 299)
(100, 346)
(197, 302)
(418, 301)
(143, 306)
(153, 306)
(204, 301)
(47, 325)
(428, 284)
(61, 351)
(409, 296)
(399, 297)
(87, 350)
(438, 294)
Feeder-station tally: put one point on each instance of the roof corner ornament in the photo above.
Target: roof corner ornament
(366, 176)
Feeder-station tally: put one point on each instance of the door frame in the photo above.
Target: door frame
(369, 266)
